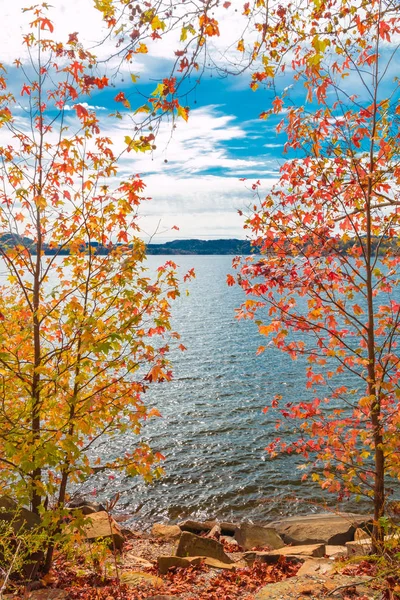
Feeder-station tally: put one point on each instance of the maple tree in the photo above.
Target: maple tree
(324, 287)
(84, 327)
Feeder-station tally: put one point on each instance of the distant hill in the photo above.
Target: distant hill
(231, 246)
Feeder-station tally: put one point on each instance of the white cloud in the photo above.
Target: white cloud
(85, 105)
(201, 207)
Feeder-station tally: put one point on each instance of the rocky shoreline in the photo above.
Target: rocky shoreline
(304, 557)
(313, 548)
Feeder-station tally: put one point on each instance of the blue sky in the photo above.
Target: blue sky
(194, 174)
(198, 188)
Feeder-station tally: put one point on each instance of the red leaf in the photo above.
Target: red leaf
(81, 111)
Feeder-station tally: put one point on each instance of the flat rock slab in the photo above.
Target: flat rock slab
(129, 559)
(316, 550)
(252, 536)
(194, 545)
(136, 578)
(166, 562)
(312, 587)
(323, 528)
(359, 548)
(101, 526)
(217, 564)
(335, 551)
(316, 566)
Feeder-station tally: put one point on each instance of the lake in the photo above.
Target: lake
(213, 431)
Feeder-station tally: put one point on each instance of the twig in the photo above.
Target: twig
(350, 584)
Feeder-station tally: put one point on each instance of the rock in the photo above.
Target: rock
(310, 586)
(335, 551)
(313, 587)
(250, 536)
(217, 564)
(323, 528)
(265, 557)
(136, 578)
(129, 559)
(21, 519)
(315, 566)
(166, 532)
(194, 545)
(87, 507)
(197, 526)
(316, 550)
(227, 539)
(228, 528)
(334, 586)
(166, 562)
(103, 527)
(361, 534)
(359, 547)
(215, 531)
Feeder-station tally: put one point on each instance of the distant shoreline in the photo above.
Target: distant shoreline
(217, 247)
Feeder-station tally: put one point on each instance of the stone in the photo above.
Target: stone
(227, 539)
(311, 586)
(197, 526)
(100, 526)
(323, 528)
(335, 551)
(194, 545)
(129, 559)
(217, 564)
(334, 586)
(359, 548)
(87, 507)
(166, 532)
(215, 531)
(166, 562)
(265, 557)
(315, 566)
(228, 528)
(316, 550)
(251, 536)
(136, 578)
(361, 534)
(21, 519)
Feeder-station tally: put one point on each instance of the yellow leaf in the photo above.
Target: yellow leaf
(157, 24)
(141, 49)
(144, 108)
(183, 112)
(240, 45)
(134, 77)
(159, 91)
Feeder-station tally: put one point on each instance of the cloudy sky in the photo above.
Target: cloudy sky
(194, 174)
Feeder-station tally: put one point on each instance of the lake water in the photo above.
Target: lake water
(213, 431)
